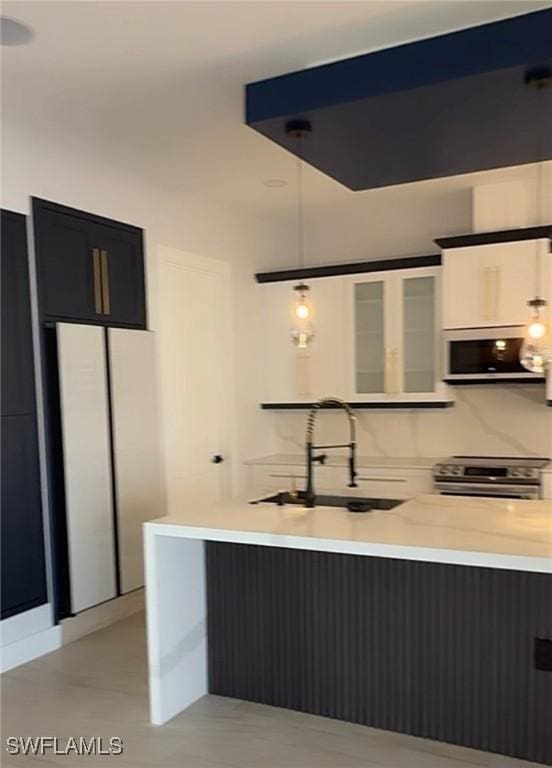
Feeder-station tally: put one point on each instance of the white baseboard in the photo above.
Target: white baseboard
(101, 616)
(29, 648)
(22, 625)
(32, 634)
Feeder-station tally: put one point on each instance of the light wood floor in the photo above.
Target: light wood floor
(96, 686)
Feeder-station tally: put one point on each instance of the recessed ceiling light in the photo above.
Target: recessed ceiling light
(13, 32)
(274, 183)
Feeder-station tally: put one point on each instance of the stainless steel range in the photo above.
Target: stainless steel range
(508, 477)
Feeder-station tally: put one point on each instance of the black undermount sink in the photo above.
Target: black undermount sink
(352, 503)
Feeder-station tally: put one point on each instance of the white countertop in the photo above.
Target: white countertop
(494, 533)
(337, 460)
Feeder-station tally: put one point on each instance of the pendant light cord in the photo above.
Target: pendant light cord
(540, 88)
(300, 222)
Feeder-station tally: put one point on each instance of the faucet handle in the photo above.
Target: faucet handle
(352, 469)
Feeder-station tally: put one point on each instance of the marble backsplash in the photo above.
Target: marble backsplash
(509, 420)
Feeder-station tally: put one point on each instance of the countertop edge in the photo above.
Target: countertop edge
(493, 560)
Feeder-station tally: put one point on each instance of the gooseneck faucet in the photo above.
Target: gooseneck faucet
(310, 496)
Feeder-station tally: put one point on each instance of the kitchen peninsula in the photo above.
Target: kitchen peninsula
(432, 618)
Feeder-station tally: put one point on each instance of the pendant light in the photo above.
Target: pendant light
(302, 329)
(536, 351)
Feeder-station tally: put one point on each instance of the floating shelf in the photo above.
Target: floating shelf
(350, 268)
(405, 405)
(529, 379)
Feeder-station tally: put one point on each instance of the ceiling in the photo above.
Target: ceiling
(158, 86)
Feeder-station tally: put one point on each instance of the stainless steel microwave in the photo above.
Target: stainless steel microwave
(474, 354)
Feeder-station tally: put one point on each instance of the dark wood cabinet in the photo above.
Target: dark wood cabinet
(23, 574)
(90, 269)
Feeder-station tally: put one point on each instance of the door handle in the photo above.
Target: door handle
(105, 283)
(217, 459)
(97, 281)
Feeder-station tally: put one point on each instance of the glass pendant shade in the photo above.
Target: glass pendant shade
(302, 330)
(536, 351)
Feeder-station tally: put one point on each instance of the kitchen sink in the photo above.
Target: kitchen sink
(351, 503)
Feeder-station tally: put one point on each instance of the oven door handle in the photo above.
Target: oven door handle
(494, 489)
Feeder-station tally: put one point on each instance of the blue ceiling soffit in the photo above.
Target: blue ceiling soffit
(447, 105)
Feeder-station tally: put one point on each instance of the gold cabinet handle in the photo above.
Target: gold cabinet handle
(485, 278)
(397, 370)
(497, 293)
(386, 371)
(105, 283)
(97, 281)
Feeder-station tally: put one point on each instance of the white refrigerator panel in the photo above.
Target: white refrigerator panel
(87, 466)
(136, 446)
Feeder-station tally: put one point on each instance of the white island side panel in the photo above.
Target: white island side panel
(176, 623)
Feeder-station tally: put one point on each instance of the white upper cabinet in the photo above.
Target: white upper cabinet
(392, 330)
(291, 374)
(489, 285)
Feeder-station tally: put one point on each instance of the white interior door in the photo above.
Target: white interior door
(135, 446)
(195, 364)
(87, 466)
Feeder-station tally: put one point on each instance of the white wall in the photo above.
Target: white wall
(376, 224)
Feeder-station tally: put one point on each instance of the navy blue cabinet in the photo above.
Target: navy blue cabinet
(17, 345)
(23, 574)
(90, 269)
(22, 550)
(122, 265)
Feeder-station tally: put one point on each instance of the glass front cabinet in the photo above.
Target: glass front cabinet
(377, 338)
(393, 330)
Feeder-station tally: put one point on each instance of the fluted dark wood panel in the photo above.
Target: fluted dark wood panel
(440, 651)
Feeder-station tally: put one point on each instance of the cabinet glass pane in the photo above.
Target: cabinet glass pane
(369, 337)
(419, 334)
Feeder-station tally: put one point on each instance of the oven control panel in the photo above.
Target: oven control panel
(485, 473)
